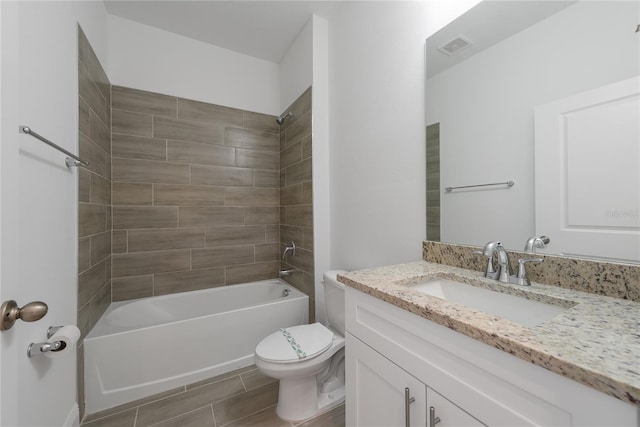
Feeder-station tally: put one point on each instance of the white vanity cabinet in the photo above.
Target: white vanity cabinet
(467, 382)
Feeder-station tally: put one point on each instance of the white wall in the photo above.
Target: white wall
(297, 67)
(485, 107)
(377, 129)
(150, 59)
(39, 198)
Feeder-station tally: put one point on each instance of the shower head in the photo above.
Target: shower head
(282, 118)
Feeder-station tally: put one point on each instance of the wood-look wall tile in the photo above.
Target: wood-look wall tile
(140, 101)
(272, 233)
(92, 219)
(196, 152)
(291, 155)
(84, 185)
(100, 247)
(257, 159)
(100, 190)
(125, 217)
(299, 172)
(307, 192)
(138, 147)
(181, 130)
(252, 272)
(307, 147)
(262, 215)
(127, 288)
(129, 193)
(133, 170)
(99, 160)
(301, 215)
(302, 105)
(236, 235)
(165, 239)
(119, 241)
(268, 252)
(184, 281)
(84, 253)
(252, 140)
(187, 195)
(222, 256)
(298, 129)
(290, 233)
(302, 260)
(138, 264)
(210, 216)
(100, 302)
(260, 122)
(266, 178)
(84, 119)
(90, 93)
(99, 133)
(307, 238)
(291, 195)
(299, 280)
(131, 123)
(204, 112)
(252, 401)
(221, 176)
(90, 282)
(251, 197)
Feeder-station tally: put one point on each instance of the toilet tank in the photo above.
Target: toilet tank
(334, 300)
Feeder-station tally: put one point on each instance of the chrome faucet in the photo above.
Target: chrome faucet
(536, 242)
(487, 252)
(503, 273)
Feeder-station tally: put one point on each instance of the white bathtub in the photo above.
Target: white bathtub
(147, 346)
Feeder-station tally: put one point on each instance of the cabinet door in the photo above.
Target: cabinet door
(376, 390)
(449, 414)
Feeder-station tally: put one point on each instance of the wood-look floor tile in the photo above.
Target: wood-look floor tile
(122, 419)
(254, 379)
(237, 407)
(333, 418)
(265, 418)
(188, 401)
(202, 417)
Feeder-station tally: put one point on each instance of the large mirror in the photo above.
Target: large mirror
(488, 72)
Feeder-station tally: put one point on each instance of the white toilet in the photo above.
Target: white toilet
(308, 359)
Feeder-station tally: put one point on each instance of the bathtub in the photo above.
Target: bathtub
(147, 346)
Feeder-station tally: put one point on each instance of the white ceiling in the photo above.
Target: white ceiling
(263, 29)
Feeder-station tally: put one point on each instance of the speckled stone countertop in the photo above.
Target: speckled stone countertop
(595, 341)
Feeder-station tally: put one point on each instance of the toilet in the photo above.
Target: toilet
(308, 359)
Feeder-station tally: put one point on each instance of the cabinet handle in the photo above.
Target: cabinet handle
(433, 420)
(407, 401)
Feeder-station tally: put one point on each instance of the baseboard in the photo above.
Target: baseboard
(73, 419)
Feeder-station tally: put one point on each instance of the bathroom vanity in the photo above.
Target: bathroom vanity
(415, 359)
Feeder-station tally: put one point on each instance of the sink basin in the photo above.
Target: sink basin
(524, 311)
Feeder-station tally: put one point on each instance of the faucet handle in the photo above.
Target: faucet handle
(521, 277)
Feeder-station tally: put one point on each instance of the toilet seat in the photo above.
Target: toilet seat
(295, 344)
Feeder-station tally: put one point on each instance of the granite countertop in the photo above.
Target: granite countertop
(595, 341)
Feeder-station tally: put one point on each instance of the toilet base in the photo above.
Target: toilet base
(299, 399)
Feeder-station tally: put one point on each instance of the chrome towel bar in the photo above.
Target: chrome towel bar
(70, 161)
(507, 183)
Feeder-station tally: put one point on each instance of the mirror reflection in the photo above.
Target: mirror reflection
(488, 73)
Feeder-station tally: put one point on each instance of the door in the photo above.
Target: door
(587, 172)
(379, 393)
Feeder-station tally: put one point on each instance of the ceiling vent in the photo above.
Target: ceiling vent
(455, 45)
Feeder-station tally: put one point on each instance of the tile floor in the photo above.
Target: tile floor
(241, 398)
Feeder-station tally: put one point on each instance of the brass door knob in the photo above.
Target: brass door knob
(10, 312)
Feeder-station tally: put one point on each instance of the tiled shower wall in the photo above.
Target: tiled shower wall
(296, 197)
(94, 193)
(196, 199)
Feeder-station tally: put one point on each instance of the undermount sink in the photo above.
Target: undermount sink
(521, 310)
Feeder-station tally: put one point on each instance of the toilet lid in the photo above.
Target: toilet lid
(297, 343)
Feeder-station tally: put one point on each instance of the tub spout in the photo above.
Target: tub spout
(284, 273)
